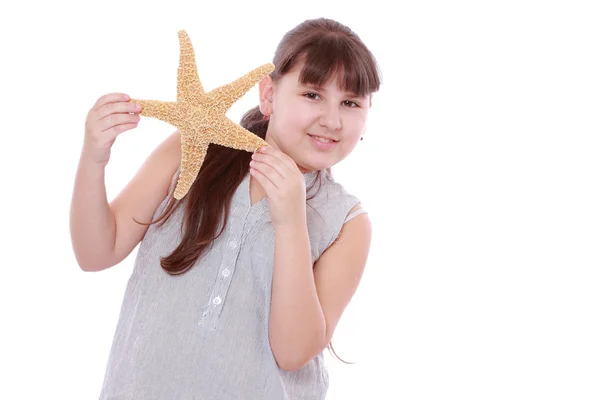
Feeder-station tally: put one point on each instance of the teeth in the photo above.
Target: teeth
(320, 139)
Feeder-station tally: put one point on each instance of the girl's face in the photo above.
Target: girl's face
(316, 127)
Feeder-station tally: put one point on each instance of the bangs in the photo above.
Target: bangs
(332, 55)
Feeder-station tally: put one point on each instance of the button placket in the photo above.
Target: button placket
(231, 249)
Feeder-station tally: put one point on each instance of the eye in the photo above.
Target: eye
(350, 103)
(311, 95)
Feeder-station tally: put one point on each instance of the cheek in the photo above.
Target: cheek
(355, 125)
(296, 116)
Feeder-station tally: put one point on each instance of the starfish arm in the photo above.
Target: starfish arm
(189, 87)
(193, 153)
(226, 133)
(163, 110)
(224, 96)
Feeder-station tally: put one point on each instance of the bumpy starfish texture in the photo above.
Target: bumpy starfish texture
(200, 116)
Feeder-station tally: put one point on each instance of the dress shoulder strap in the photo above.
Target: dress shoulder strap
(355, 214)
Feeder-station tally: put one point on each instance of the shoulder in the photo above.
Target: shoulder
(334, 206)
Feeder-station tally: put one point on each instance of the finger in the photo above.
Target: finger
(122, 128)
(110, 98)
(117, 119)
(275, 163)
(118, 107)
(268, 172)
(264, 181)
(279, 155)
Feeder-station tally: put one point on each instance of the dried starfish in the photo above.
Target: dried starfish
(200, 116)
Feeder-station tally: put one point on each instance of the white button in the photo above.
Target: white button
(225, 272)
(217, 300)
(233, 244)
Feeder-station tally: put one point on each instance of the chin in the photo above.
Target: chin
(317, 165)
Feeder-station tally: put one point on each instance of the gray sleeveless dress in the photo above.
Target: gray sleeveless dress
(204, 334)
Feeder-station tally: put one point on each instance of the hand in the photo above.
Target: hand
(283, 183)
(109, 117)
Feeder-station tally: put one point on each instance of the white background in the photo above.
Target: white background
(480, 170)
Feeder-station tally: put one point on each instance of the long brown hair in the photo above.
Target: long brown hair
(325, 47)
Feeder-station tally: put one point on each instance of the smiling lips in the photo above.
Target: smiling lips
(323, 139)
(323, 143)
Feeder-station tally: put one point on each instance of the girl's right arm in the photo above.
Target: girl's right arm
(104, 234)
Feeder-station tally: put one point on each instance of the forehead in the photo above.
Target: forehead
(331, 84)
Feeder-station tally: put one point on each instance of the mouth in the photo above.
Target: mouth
(323, 139)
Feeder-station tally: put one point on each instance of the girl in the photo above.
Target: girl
(237, 288)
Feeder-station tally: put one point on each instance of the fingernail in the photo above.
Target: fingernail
(138, 107)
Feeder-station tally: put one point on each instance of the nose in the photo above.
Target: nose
(330, 117)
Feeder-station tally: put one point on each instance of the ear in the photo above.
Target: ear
(265, 88)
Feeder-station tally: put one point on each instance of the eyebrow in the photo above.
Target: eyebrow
(316, 87)
(322, 89)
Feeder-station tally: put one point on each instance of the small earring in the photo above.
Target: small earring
(361, 138)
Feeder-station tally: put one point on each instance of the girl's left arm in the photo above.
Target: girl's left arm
(307, 300)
